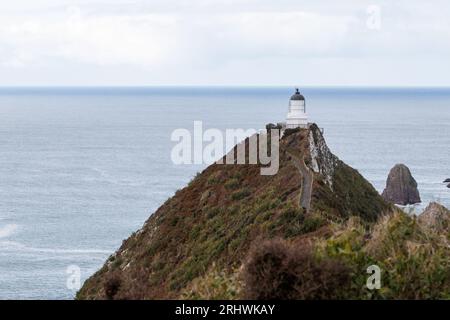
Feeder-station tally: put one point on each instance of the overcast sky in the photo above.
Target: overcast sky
(225, 42)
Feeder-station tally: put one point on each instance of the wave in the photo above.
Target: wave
(108, 178)
(19, 246)
(8, 230)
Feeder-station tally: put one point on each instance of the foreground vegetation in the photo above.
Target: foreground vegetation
(414, 260)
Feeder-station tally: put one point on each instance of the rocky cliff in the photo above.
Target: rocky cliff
(401, 187)
(212, 223)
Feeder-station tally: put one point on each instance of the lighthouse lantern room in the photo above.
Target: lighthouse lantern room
(297, 117)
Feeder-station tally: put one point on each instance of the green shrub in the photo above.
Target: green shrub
(213, 179)
(232, 184)
(241, 194)
(415, 263)
(214, 285)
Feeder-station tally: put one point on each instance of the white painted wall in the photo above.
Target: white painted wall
(296, 117)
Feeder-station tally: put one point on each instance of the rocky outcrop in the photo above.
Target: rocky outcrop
(447, 181)
(436, 217)
(401, 188)
(322, 160)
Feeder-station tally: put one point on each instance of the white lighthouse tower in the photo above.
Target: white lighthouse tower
(297, 117)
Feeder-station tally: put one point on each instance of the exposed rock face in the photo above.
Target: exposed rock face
(322, 160)
(401, 188)
(436, 217)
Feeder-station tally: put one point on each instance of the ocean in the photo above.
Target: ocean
(82, 168)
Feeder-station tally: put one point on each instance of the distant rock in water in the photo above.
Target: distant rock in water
(448, 186)
(447, 180)
(401, 188)
(436, 217)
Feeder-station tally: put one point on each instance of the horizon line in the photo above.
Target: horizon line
(228, 86)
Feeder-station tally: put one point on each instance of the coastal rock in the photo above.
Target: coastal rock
(448, 186)
(401, 188)
(447, 180)
(322, 160)
(436, 216)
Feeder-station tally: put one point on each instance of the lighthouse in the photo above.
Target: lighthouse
(297, 117)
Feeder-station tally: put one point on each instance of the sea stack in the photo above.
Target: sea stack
(401, 188)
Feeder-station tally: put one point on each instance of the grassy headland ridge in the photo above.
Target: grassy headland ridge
(233, 233)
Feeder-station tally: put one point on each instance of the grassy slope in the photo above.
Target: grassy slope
(211, 224)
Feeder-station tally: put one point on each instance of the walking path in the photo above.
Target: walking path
(307, 181)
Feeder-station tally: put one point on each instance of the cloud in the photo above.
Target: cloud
(282, 34)
(105, 40)
(195, 41)
(154, 39)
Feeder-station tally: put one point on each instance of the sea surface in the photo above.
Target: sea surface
(82, 168)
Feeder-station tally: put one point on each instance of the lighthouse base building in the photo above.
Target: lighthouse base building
(297, 117)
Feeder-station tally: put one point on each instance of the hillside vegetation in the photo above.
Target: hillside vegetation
(233, 233)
